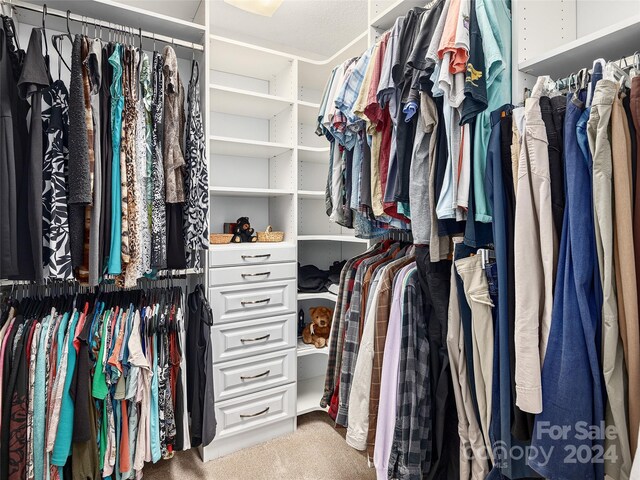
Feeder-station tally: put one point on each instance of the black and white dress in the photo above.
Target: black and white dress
(158, 213)
(55, 122)
(196, 210)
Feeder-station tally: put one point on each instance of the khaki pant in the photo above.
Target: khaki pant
(612, 353)
(625, 268)
(473, 453)
(535, 261)
(476, 291)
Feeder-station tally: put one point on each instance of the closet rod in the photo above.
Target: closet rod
(624, 62)
(104, 24)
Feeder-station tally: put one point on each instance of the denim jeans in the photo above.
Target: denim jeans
(571, 395)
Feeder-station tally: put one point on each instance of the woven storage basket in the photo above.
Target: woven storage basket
(270, 236)
(217, 238)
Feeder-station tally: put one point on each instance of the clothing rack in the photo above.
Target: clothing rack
(102, 24)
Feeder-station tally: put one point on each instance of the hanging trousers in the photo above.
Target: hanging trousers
(571, 395)
(612, 354)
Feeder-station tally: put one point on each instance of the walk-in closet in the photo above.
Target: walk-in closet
(320, 239)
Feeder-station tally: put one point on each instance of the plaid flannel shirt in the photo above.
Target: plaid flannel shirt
(380, 336)
(411, 450)
(337, 330)
(352, 337)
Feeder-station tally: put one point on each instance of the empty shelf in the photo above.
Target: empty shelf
(315, 296)
(332, 238)
(246, 103)
(310, 392)
(311, 194)
(248, 192)
(239, 147)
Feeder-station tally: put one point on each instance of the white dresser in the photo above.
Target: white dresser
(252, 292)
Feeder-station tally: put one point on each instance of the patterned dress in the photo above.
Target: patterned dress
(196, 211)
(132, 272)
(143, 163)
(55, 119)
(158, 213)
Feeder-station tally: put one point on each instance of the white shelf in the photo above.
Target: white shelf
(387, 17)
(248, 192)
(317, 296)
(249, 60)
(239, 147)
(331, 238)
(246, 103)
(310, 392)
(611, 43)
(116, 12)
(308, 113)
(311, 194)
(310, 349)
(314, 154)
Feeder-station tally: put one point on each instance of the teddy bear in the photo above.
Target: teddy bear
(243, 231)
(317, 332)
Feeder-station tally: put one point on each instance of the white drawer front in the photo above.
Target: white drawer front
(248, 375)
(241, 339)
(251, 254)
(242, 302)
(251, 274)
(255, 410)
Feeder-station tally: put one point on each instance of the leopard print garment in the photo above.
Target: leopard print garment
(132, 272)
(127, 152)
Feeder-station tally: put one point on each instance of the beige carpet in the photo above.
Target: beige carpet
(316, 451)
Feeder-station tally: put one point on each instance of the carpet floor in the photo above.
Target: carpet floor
(315, 451)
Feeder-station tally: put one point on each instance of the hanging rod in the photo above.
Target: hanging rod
(623, 63)
(104, 24)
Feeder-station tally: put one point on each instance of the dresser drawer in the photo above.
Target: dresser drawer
(251, 254)
(249, 375)
(243, 302)
(255, 410)
(251, 274)
(252, 337)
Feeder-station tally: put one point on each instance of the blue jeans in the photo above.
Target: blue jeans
(572, 386)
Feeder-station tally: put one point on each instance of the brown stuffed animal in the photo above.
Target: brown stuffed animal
(317, 332)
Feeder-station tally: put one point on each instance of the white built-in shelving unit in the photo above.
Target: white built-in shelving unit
(268, 163)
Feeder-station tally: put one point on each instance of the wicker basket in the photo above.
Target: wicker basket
(217, 238)
(270, 235)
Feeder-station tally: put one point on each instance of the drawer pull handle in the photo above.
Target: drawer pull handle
(245, 275)
(266, 255)
(253, 302)
(249, 415)
(263, 374)
(257, 339)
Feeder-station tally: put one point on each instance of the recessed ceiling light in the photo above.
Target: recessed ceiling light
(260, 7)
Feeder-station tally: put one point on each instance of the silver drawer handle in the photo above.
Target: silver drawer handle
(245, 275)
(253, 302)
(243, 415)
(257, 339)
(263, 374)
(266, 255)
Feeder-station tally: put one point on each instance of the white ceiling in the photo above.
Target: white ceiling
(313, 28)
